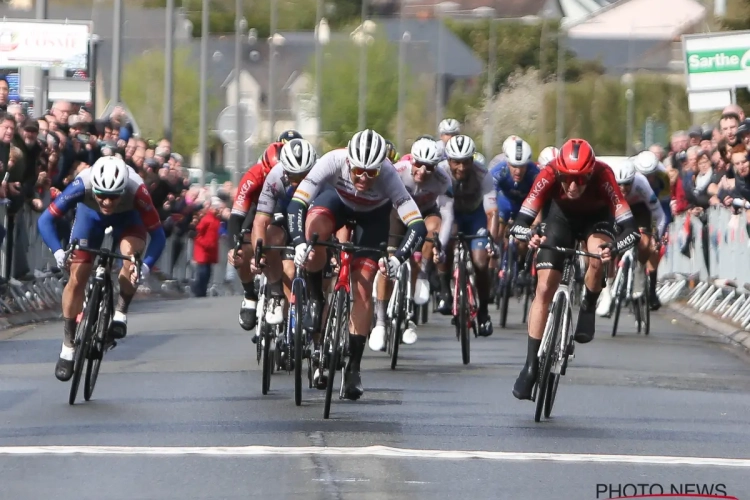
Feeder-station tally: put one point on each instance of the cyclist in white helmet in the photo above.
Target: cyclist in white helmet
(110, 193)
(365, 187)
(547, 155)
(296, 159)
(648, 215)
(475, 212)
(427, 185)
(447, 129)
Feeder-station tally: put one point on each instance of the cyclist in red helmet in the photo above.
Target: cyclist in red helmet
(580, 201)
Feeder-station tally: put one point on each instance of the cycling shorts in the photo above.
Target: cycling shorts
(279, 220)
(470, 224)
(642, 215)
(565, 230)
(89, 226)
(371, 227)
(398, 229)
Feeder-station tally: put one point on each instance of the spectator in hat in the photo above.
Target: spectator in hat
(706, 143)
(695, 133)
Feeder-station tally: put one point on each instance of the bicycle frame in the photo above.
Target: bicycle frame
(392, 304)
(463, 257)
(628, 259)
(563, 290)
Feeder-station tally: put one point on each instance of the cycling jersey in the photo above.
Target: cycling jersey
(428, 195)
(247, 196)
(134, 214)
(276, 193)
(641, 192)
(475, 190)
(601, 192)
(332, 169)
(662, 189)
(510, 194)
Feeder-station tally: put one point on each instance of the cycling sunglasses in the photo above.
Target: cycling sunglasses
(429, 167)
(370, 173)
(107, 196)
(577, 178)
(295, 177)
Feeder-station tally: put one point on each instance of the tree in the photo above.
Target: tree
(143, 91)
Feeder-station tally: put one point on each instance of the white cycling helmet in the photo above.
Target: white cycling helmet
(425, 151)
(449, 126)
(479, 159)
(460, 147)
(109, 175)
(646, 162)
(624, 172)
(367, 149)
(298, 156)
(517, 151)
(547, 155)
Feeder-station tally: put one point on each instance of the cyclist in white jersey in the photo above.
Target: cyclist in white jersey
(427, 184)
(365, 187)
(648, 214)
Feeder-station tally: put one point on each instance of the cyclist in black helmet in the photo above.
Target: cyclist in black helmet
(288, 135)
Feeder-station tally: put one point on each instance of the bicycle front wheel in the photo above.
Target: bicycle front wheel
(268, 360)
(397, 323)
(96, 352)
(462, 320)
(545, 362)
(295, 310)
(333, 342)
(84, 334)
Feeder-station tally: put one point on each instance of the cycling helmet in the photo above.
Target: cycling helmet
(271, 155)
(288, 135)
(367, 149)
(517, 151)
(449, 126)
(576, 157)
(460, 147)
(425, 151)
(109, 175)
(646, 162)
(298, 156)
(547, 155)
(390, 150)
(479, 159)
(624, 172)
(425, 136)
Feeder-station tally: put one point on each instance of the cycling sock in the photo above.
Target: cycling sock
(590, 298)
(315, 280)
(357, 348)
(275, 289)
(69, 330)
(445, 283)
(249, 289)
(652, 283)
(123, 302)
(531, 351)
(380, 307)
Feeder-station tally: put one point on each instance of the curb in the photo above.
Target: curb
(728, 330)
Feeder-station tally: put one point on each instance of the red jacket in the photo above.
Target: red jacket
(206, 248)
(680, 202)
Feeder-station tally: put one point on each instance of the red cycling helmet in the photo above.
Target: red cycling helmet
(271, 155)
(576, 157)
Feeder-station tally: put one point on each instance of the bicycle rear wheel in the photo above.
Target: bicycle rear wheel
(333, 338)
(545, 363)
(96, 352)
(646, 312)
(84, 334)
(295, 311)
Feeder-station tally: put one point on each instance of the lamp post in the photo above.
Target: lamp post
(203, 123)
(627, 80)
(240, 25)
(322, 36)
(405, 39)
(362, 37)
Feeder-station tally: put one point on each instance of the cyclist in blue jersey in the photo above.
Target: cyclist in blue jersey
(108, 194)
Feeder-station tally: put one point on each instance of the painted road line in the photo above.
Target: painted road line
(369, 451)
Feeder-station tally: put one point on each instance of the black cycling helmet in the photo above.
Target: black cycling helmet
(288, 135)
(390, 150)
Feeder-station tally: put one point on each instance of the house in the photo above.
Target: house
(632, 35)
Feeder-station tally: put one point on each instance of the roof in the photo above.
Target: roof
(619, 56)
(644, 19)
(503, 8)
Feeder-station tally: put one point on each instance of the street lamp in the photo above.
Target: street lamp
(362, 36)
(405, 39)
(276, 40)
(627, 80)
(322, 37)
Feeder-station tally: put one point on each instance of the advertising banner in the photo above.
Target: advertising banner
(44, 44)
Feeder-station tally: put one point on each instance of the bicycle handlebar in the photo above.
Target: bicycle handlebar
(260, 248)
(135, 259)
(570, 252)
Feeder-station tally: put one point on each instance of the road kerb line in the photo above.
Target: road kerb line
(370, 451)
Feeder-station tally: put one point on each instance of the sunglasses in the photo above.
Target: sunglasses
(296, 177)
(571, 178)
(364, 172)
(429, 167)
(107, 196)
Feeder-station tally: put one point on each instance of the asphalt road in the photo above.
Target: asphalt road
(186, 377)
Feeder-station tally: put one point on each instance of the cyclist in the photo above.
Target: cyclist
(288, 135)
(547, 155)
(365, 186)
(648, 164)
(241, 217)
(296, 159)
(108, 194)
(580, 200)
(475, 209)
(447, 129)
(391, 154)
(427, 186)
(647, 212)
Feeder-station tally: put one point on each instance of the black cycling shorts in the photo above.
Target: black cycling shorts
(372, 226)
(565, 230)
(642, 215)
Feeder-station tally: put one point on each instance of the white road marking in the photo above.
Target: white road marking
(369, 451)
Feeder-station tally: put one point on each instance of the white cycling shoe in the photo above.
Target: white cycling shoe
(275, 313)
(605, 303)
(377, 338)
(409, 336)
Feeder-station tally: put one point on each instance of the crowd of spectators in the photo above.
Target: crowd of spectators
(41, 155)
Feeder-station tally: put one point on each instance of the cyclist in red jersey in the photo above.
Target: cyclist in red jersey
(243, 213)
(580, 200)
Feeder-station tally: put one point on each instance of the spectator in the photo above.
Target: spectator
(729, 123)
(206, 248)
(735, 109)
(4, 93)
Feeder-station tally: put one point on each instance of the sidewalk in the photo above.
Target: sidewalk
(726, 329)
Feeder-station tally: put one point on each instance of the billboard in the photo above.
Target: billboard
(717, 61)
(45, 44)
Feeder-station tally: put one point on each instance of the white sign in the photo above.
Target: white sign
(717, 61)
(709, 101)
(44, 44)
(226, 124)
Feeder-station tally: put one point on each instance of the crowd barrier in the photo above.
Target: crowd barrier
(706, 261)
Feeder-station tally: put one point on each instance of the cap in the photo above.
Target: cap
(707, 135)
(30, 125)
(695, 131)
